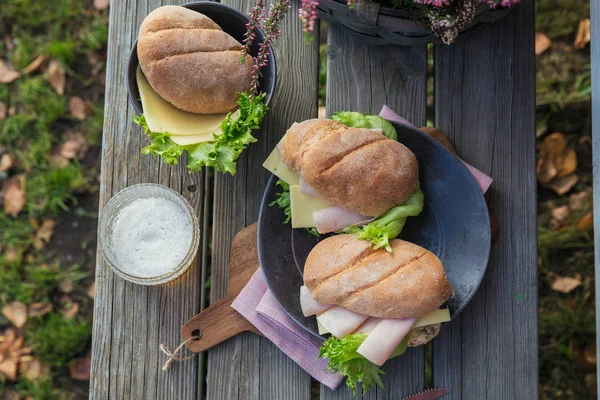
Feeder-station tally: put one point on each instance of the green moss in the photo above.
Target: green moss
(49, 191)
(57, 341)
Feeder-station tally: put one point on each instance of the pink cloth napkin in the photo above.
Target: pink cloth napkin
(482, 179)
(257, 304)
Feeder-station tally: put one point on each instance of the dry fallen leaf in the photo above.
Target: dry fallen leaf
(71, 311)
(57, 160)
(586, 223)
(65, 286)
(56, 76)
(35, 65)
(44, 234)
(32, 368)
(576, 200)
(583, 34)
(77, 107)
(542, 43)
(589, 353)
(3, 110)
(92, 291)
(5, 162)
(39, 309)
(11, 351)
(101, 4)
(7, 73)
(12, 110)
(565, 284)
(75, 146)
(555, 158)
(14, 194)
(80, 368)
(11, 254)
(560, 213)
(564, 184)
(16, 313)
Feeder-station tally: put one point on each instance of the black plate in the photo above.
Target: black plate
(454, 225)
(231, 21)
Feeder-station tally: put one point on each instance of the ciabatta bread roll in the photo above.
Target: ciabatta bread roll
(190, 62)
(358, 169)
(409, 282)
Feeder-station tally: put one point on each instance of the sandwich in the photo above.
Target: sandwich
(194, 84)
(374, 303)
(348, 174)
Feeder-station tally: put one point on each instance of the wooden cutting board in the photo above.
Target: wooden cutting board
(219, 322)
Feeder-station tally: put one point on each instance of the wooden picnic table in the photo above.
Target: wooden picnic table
(485, 103)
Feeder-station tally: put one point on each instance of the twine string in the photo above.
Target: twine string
(175, 355)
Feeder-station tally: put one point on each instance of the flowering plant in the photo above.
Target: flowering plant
(445, 18)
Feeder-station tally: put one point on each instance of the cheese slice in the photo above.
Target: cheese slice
(434, 317)
(322, 329)
(303, 206)
(162, 116)
(274, 164)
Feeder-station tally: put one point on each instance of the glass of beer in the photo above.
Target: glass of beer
(148, 234)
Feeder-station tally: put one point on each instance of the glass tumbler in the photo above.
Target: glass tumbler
(124, 198)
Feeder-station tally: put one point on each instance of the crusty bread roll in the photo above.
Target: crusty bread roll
(359, 169)
(190, 62)
(409, 282)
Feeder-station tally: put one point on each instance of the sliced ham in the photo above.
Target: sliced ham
(305, 188)
(309, 305)
(333, 219)
(368, 326)
(383, 340)
(340, 321)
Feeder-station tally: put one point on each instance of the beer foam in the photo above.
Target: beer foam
(151, 236)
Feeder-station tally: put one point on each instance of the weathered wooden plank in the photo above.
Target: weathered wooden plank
(485, 103)
(595, 50)
(130, 320)
(249, 367)
(364, 78)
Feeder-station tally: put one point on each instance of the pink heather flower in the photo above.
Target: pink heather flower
(308, 15)
(256, 19)
(272, 27)
(434, 3)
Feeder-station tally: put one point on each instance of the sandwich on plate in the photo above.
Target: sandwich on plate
(195, 90)
(347, 174)
(374, 303)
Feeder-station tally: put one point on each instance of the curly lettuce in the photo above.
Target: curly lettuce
(223, 152)
(388, 226)
(344, 359)
(355, 119)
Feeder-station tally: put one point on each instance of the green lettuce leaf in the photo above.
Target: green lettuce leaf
(355, 119)
(344, 359)
(388, 226)
(221, 154)
(283, 200)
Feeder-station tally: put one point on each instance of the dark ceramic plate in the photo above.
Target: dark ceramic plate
(231, 21)
(454, 225)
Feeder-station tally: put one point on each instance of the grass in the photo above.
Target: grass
(566, 320)
(72, 33)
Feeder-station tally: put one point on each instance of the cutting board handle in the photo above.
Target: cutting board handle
(219, 322)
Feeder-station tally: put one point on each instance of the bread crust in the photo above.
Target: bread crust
(190, 62)
(409, 282)
(356, 168)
